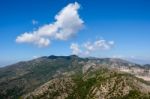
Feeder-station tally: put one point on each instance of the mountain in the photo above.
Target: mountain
(99, 84)
(72, 77)
(147, 65)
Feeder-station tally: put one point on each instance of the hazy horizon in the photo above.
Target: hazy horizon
(137, 61)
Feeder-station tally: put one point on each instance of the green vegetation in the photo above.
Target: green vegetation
(85, 84)
(135, 94)
(82, 88)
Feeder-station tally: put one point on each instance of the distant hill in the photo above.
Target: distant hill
(147, 65)
(60, 76)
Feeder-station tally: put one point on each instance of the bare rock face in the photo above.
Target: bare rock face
(117, 87)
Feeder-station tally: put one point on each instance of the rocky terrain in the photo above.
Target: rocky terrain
(72, 77)
(100, 84)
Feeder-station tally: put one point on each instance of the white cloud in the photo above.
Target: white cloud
(67, 24)
(117, 56)
(33, 38)
(34, 57)
(75, 48)
(34, 22)
(90, 47)
(98, 45)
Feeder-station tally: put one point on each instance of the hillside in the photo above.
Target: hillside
(99, 84)
(73, 77)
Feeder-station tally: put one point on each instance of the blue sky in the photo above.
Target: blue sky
(124, 23)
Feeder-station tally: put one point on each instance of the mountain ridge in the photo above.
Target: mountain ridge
(24, 77)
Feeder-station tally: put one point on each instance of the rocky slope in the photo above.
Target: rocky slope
(59, 77)
(99, 84)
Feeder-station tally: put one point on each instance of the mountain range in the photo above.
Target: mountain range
(73, 77)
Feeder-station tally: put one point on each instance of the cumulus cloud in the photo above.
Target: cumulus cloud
(75, 48)
(33, 38)
(90, 47)
(98, 45)
(67, 24)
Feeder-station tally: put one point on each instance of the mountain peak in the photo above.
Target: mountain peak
(67, 57)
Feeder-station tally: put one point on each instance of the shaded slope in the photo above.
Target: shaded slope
(23, 77)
